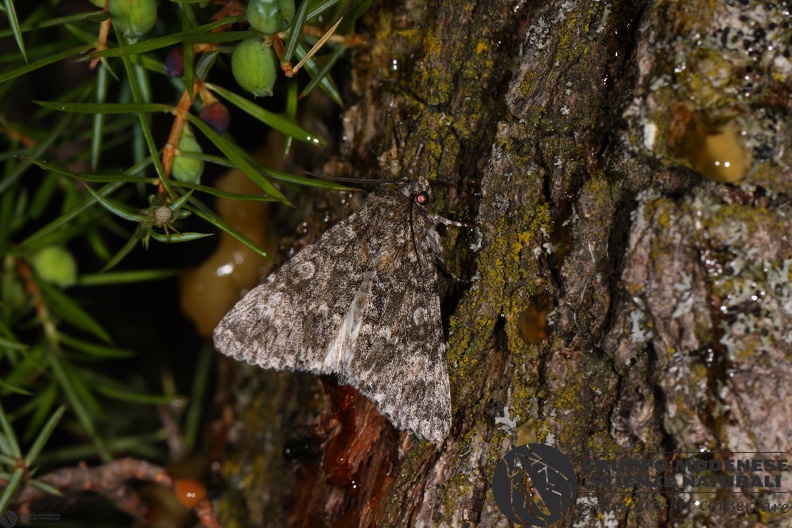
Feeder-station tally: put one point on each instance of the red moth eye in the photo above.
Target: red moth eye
(189, 492)
(422, 198)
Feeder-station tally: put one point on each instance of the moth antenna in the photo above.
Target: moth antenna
(415, 159)
(442, 220)
(444, 266)
(321, 176)
(412, 236)
(447, 184)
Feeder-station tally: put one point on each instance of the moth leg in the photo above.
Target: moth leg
(443, 266)
(437, 219)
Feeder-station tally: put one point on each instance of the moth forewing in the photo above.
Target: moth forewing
(339, 353)
(361, 303)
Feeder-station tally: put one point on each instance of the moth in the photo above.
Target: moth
(361, 303)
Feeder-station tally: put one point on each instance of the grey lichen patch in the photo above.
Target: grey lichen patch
(710, 286)
(560, 33)
(713, 64)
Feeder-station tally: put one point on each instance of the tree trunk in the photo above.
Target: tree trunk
(626, 294)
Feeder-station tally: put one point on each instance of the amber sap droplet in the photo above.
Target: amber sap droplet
(719, 154)
(561, 236)
(534, 320)
(346, 400)
(527, 432)
(534, 326)
(715, 150)
(189, 492)
(210, 290)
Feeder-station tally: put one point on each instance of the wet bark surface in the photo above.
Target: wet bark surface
(627, 293)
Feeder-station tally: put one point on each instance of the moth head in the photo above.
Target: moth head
(422, 198)
(418, 192)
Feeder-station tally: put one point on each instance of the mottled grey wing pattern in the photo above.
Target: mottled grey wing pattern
(281, 323)
(404, 373)
(362, 303)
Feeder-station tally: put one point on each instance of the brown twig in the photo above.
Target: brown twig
(230, 8)
(206, 514)
(108, 480)
(50, 329)
(111, 481)
(24, 139)
(101, 41)
(169, 151)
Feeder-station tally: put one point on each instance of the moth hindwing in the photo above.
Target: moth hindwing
(361, 303)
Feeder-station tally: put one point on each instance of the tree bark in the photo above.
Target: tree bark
(620, 300)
